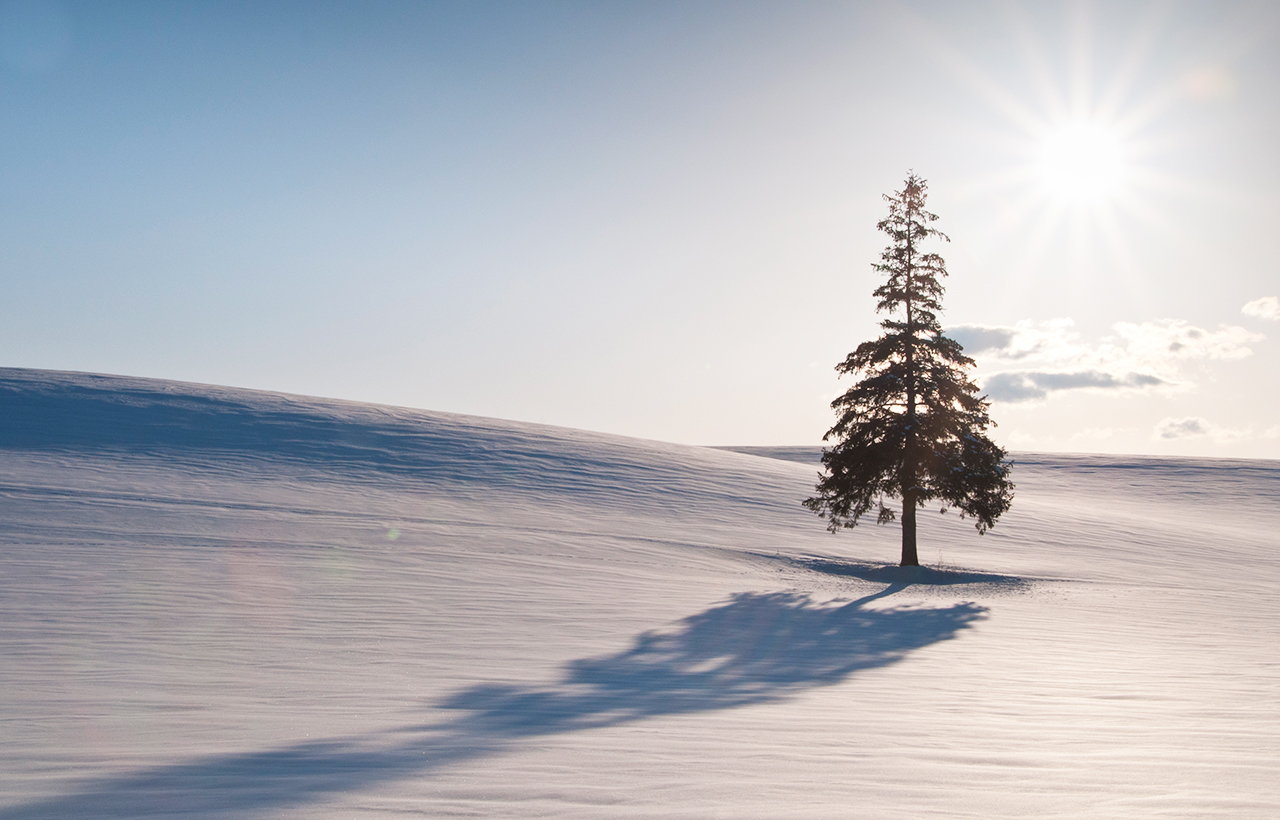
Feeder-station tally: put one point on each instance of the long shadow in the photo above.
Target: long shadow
(756, 648)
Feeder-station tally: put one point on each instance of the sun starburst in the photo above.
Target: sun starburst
(1077, 147)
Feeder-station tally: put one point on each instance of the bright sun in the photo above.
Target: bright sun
(1081, 162)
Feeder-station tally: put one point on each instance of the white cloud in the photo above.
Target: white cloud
(1028, 385)
(1268, 307)
(1030, 360)
(1158, 344)
(1195, 427)
(1189, 427)
(1051, 340)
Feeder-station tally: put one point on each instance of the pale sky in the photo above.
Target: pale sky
(653, 219)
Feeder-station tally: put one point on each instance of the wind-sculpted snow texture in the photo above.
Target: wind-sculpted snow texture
(220, 603)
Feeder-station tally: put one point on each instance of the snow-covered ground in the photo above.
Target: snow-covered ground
(224, 603)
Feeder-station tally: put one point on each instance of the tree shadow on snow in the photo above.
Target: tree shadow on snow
(756, 648)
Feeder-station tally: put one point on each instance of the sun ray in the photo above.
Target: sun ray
(1111, 102)
(1088, 139)
(1079, 91)
(1034, 52)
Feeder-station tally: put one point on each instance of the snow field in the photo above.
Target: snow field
(219, 603)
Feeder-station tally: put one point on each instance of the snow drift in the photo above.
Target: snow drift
(226, 603)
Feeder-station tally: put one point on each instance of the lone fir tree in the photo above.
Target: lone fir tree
(914, 426)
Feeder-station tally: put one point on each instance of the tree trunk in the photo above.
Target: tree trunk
(909, 557)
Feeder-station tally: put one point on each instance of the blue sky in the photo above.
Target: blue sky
(646, 218)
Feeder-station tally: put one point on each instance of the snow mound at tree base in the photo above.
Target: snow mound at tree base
(923, 576)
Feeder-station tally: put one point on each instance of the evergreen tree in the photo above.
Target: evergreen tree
(914, 426)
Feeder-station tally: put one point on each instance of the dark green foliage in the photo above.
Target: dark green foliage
(914, 426)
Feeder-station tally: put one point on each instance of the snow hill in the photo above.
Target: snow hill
(220, 603)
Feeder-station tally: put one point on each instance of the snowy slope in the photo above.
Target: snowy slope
(226, 603)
